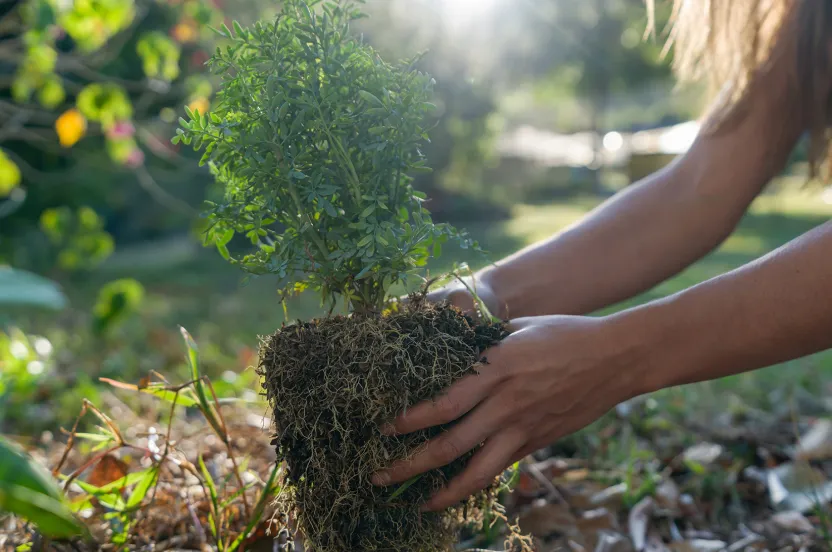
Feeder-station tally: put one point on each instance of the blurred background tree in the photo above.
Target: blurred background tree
(90, 91)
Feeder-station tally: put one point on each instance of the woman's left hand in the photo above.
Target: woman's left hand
(551, 377)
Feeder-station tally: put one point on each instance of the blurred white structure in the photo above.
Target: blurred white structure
(551, 149)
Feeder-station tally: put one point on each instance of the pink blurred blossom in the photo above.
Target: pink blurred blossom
(122, 129)
(135, 159)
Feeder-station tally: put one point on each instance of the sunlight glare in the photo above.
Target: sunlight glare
(458, 11)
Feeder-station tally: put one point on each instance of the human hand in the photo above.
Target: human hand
(459, 295)
(551, 377)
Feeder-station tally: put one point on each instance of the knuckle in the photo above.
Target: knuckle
(448, 450)
(447, 408)
(460, 298)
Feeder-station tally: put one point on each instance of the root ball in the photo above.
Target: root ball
(332, 383)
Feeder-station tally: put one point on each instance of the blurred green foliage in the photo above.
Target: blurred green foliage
(29, 491)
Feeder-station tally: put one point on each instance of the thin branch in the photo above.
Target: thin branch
(14, 202)
(161, 195)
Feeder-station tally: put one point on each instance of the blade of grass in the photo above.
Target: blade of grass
(199, 386)
(404, 486)
(258, 510)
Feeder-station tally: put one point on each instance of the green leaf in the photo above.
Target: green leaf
(404, 486)
(142, 488)
(221, 247)
(370, 98)
(27, 490)
(24, 289)
(209, 481)
(184, 397)
(368, 211)
(117, 300)
(95, 437)
(421, 169)
(364, 272)
(365, 240)
(199, 385)
(115, 486)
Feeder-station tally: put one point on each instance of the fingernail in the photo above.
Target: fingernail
(381, 479)
(388, 429)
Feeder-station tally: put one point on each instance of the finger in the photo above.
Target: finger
(458, 400)
(445, 448)
(486, 465)
(519, 324)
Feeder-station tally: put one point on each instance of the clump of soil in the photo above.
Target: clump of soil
(332, 383)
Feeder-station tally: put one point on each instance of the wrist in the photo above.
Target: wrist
(641, 342)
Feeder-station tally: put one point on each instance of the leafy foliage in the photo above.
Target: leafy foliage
(21, 288)
(314, 138)
(79, 238)
(27, 490)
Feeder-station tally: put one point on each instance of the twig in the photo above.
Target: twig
(70, 441)
(535, 472)
(161, 195)
(94, 460)
(28, 170)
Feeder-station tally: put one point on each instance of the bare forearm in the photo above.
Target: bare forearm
(663, 224)
(626, 246)
(773, 310)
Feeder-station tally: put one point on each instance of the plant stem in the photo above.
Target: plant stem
(293, 191)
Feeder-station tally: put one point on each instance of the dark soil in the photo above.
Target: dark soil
(332, 384)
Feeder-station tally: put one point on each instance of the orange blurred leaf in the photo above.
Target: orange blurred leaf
(71, 126)
(200, 104)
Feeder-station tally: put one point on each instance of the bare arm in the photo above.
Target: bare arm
(660, 225)
(556, 374)
(776, 309)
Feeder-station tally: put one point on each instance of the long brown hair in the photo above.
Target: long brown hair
(724, 43)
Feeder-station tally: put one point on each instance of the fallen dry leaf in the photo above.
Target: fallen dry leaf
(107, 470)
(668, 495)
(798, 487)
(704, 454)
(613, 542)
(576, 475)
(548, 519)
(639, 521)
(609, 496)
(794, 522)
(698, 545)
(817, 443)
(594, 523)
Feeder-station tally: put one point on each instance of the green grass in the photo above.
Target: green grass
(202, 293)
